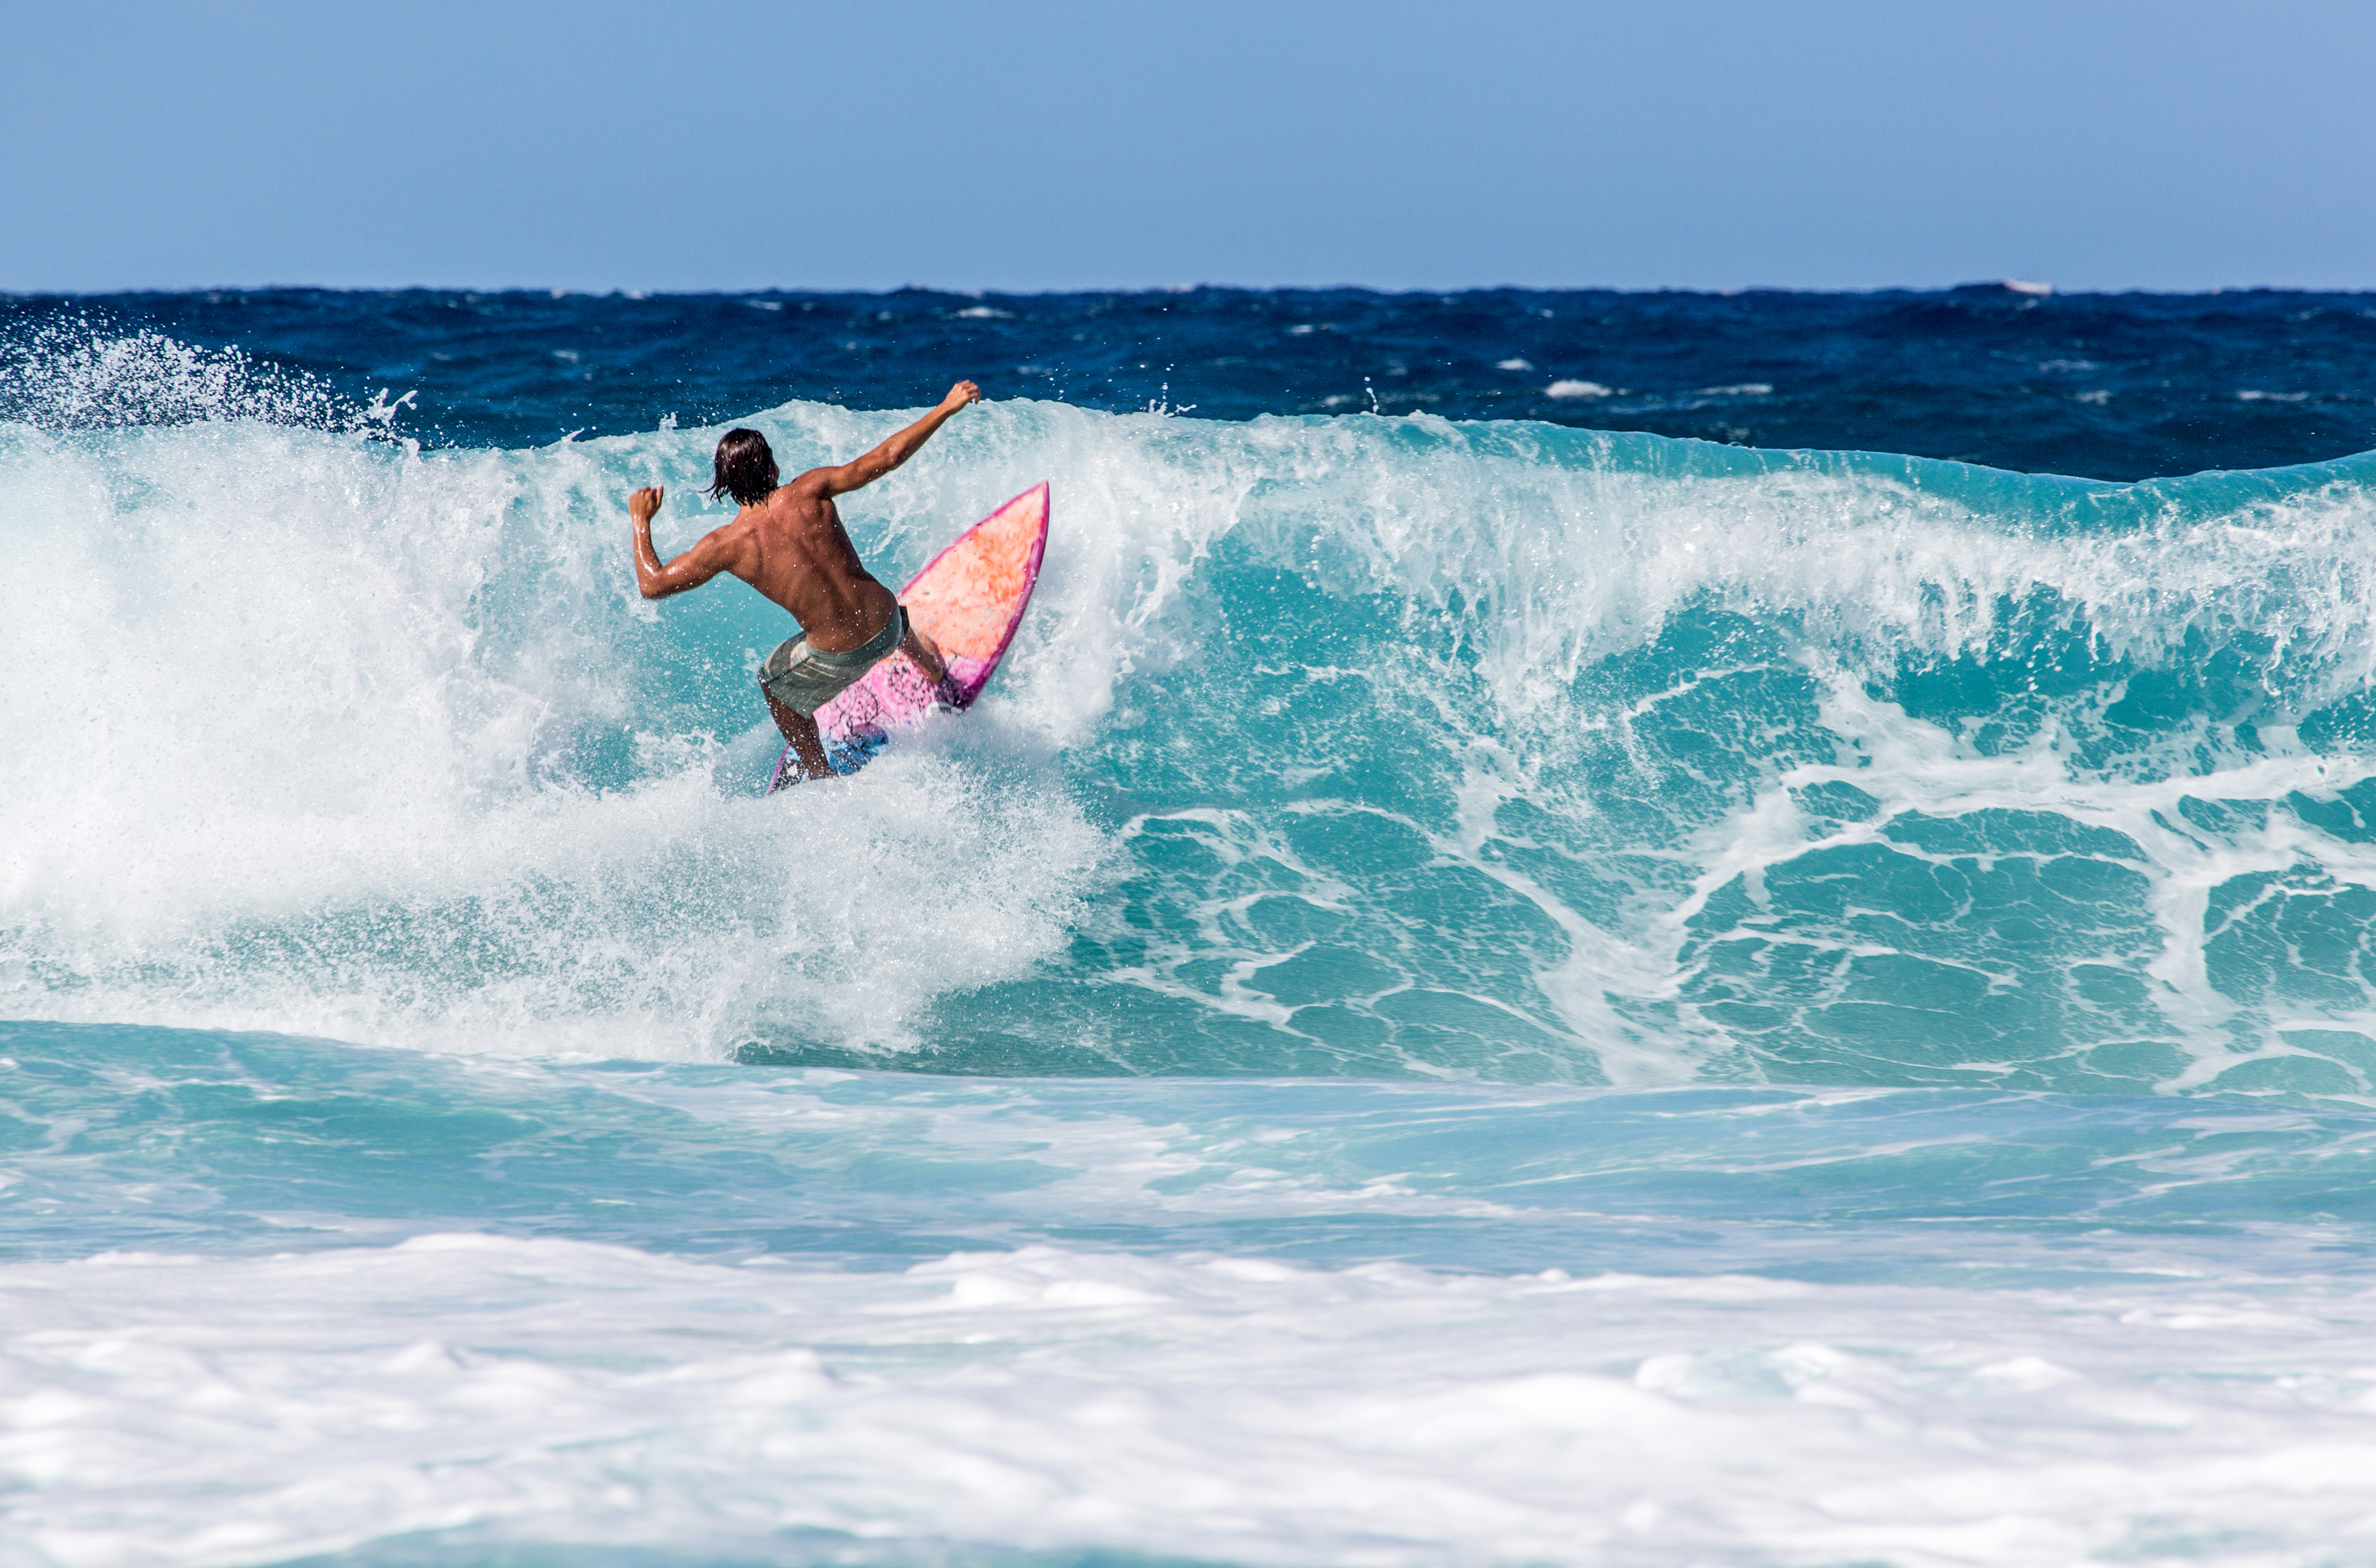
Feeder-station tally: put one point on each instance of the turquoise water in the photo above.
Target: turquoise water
(249, 1145)
(1473, 993)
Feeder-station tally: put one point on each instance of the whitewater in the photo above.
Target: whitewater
(1476, 991)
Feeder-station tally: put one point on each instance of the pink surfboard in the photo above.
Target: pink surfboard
(968, 600)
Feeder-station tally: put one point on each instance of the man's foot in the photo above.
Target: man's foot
(791, 771)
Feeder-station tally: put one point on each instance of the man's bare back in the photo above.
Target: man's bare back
(788, 542)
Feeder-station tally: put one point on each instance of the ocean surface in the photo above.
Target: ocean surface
(1584, 928)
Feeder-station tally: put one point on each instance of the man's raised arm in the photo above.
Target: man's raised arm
(714, 554)
(901, 447)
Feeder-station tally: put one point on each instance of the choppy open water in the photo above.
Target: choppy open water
(1488, 984)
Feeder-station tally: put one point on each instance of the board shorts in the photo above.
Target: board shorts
(804, 679)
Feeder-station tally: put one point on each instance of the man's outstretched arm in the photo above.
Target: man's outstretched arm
(901, 447)
(714, 554)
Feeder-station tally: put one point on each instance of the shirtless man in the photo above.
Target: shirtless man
(788, 542)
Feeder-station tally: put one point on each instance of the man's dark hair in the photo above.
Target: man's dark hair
(745, 469)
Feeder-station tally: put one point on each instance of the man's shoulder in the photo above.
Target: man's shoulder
(808, 486)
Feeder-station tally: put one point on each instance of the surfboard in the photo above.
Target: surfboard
(968, 600)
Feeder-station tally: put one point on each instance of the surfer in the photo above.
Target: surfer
(788, 542)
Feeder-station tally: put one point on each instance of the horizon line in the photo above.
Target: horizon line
(2040, 290)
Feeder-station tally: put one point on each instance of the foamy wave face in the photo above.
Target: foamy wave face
(1511, 753)
(1345, 745)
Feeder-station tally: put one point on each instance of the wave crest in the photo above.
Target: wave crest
(74, 373)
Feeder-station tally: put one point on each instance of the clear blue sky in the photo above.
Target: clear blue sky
(1043, 144)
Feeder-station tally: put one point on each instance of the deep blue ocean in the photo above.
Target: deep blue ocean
(1584, 928)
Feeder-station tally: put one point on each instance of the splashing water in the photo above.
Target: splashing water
(1331, 745)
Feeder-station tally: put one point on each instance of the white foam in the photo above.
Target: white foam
(1046, 1400)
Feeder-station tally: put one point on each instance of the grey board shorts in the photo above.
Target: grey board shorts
(804, 679)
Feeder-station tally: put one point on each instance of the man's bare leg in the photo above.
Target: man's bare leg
(925, 654)
(801, 730)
